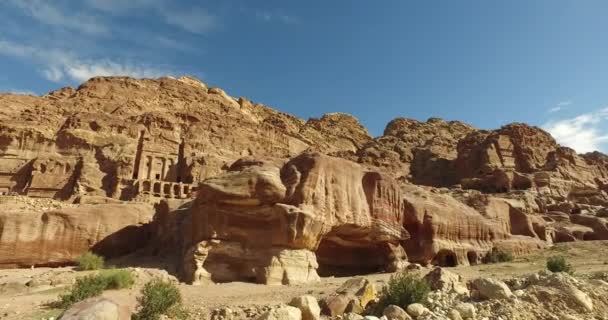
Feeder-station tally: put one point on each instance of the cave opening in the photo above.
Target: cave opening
(340, 258)
(472, 257)
(445, 258)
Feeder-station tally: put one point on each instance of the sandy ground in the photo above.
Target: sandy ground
(18, 301)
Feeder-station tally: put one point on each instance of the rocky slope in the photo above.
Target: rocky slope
(246, 192)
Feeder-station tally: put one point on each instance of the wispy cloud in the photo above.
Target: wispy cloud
(582, 133)
(58, 64)
(18, 91)
(49, 13)
(195, 20)
(559, 106)
(275, 15)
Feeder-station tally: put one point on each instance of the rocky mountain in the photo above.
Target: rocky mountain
(244, 192)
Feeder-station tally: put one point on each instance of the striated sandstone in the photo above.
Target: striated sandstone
(59, 236)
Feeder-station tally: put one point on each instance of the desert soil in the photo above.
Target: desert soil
(19, 301)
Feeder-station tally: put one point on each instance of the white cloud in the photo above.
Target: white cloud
(269, 16)
(122, 6)
(53, 74)
(47, 12)
(18, 91)
(195, 20)
(82, 71)
(560, 106)
(58, 64)
(582, 133)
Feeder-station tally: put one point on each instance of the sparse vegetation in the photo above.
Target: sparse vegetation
(90, 261)
(117, 278)
(157, 298)
(559, 264)
(94, 285)
(402, 290)
(498, 255)
(84, 288)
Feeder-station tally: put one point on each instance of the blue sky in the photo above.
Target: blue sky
(486, 63)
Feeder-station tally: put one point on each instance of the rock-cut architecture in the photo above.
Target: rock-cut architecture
(233, 190)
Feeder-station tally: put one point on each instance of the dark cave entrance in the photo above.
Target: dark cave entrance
(472, 257)
(445, 258)
(340, 258)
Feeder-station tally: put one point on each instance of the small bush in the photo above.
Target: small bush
(158, 298)
(84, 288)
(90, 261)
(94, 285)
(117, 278)
(498, 255)
(559, 264)
(402, 290)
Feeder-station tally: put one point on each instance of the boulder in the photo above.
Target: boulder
(454, 315)
(96, 309)
(416, 310)
(444, 280)
(282, 313)
(466, 310)
(488, 288)
(309, 307)
(353, 296)
(393, 312)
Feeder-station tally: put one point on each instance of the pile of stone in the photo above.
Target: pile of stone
(542, 295)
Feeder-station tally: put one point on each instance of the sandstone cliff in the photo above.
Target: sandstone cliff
(251, 193)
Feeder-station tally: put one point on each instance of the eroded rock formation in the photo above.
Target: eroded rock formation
(280, 223)
(254, 194)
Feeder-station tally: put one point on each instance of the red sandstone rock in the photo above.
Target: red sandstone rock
(59, 236)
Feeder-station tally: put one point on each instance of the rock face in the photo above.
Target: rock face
(278, 225)
(253, 194)
(139, 138)
(59, 236)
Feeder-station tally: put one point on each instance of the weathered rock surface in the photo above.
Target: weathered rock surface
(57, 237)
(255, 197)
(279, 224)
(97, 309)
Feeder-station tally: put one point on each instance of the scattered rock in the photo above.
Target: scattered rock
(488, 288)
(444, 280)
(466, 310)
(393, 312)
(416, 310)
(282, 313)
(309, 307)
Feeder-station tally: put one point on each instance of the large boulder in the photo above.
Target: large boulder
(444, 280)
(488, 288)
(309, 307)
(97, 309)
(353, 296)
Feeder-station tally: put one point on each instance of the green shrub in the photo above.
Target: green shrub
(498, 255)
(94, 285)
(158, 298)
(84, 288)
(402, 290)
(117, 278)
(559, 264)
(90, 261)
